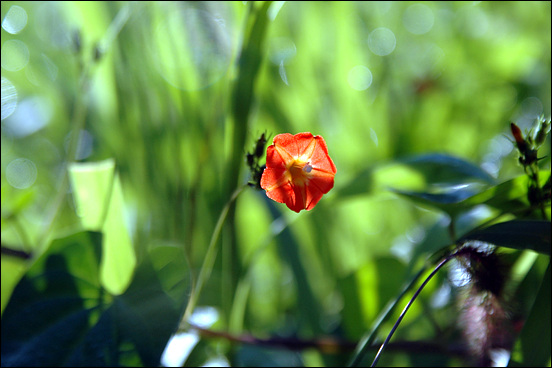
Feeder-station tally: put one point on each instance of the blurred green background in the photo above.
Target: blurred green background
(157, 89)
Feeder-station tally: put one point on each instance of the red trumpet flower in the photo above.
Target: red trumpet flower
(298, 170)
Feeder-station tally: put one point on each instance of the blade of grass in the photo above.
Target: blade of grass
(249, 64)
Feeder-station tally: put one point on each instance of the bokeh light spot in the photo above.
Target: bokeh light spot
(21, 173)
(282, 49)
(9, 98)
(418, 19)
(31, 115)
(532, 107)
(15, 55)
(51, 25)
(359, 78)
(15, 20)
(529, 109)
(472, 21)
(382, 41)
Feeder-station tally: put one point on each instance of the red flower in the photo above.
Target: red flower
(298, 171)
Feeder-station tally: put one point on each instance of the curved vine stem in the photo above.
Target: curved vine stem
(366, 341)
(403, 313)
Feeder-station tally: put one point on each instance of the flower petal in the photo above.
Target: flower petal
(320, 158)
(300, 199)
(296, 144)
(322, 181)
(283, 194)
(274, 174)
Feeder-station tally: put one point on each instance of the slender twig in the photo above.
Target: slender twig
(15, 252)
(329, 344)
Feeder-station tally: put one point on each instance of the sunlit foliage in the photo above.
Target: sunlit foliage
(126, 129)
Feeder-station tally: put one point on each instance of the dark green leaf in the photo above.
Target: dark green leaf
(518, 234)
(59, 314)
(507, 196)
(532, 348)
(441, 168)
(445, 174)
(46, 315)
(258, 356)
(449, 181)
(449, 199)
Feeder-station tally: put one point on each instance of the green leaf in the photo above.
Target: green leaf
(507, 196)
(170, 265)
(145, 315)
(60, 315)
(15, 200)
(448, 200)
(260, 356)
(46, 314)
(532, 349)
(99, 200)
(12, 271)
(438, 173)
(517, 234)
(441, 168)
(449, 181)
(92, 184)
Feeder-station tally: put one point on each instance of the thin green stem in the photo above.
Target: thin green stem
(452, 230)
(78, 120)
(210, 256)
(116, 26)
